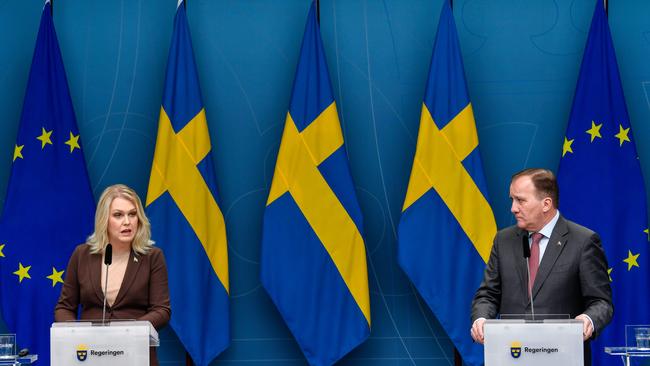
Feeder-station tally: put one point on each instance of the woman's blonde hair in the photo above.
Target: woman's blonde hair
(142, 242)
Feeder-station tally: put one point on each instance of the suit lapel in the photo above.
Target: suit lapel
(556, 244)
(95, 265)
(130, 275)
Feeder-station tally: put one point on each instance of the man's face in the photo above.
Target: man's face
(527, 208)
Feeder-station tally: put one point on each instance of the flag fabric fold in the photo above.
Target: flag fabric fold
(49, 206)
(447, 226)
(602, 186)
(182, 203)
(313, 260)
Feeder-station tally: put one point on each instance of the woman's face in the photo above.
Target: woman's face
(122, 221)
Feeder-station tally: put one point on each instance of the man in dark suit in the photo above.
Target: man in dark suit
(568, 268)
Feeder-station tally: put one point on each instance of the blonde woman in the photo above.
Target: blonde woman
(137, 280)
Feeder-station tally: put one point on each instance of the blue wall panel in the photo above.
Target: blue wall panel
(521, 58)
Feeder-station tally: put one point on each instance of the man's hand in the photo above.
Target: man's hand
(587, 327)
(477, 330)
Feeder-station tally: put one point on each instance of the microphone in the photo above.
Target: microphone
(108, 259)
(526, 247)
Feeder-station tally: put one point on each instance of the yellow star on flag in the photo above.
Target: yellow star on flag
(594, 131)
(22, 272)
(73, 142)
(567, 147)
(56, 276)
(647, 232)
(609, 273)
(631, 260)
(622, 135)
(2, 247)
(45, 138)
(18, 152)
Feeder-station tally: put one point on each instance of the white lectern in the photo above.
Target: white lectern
(533, 343)
(124, 343)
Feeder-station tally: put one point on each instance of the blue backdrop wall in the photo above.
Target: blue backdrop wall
(521, 58)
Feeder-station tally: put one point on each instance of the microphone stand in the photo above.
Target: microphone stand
(108, 259)
(525, 246)
(530, 292)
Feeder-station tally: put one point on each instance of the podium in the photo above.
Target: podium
(124, 343)
(533, 343)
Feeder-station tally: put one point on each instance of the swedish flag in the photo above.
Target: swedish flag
(182, 198)
(313, 261)
(447, 225)
(49, 206)
(602, 186)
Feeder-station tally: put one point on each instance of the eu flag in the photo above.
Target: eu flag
(313, 261)
(601, 184)
(182, 202)
(447, 226)
(49, 206)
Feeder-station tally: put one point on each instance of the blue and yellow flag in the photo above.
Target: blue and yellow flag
(49, 206)
(186, 221)
(601, 184)
(313, 261)
(447, 226)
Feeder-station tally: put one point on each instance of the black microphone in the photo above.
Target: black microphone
(108, 259)
(526, 247)
(108, 254)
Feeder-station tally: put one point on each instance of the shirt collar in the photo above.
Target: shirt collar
(548, 229)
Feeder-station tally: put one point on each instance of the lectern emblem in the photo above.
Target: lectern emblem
(82, 352)
(515, 349)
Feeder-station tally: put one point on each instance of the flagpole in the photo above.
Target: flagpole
(606, 7)
(318, 11)
(188, 357)
(458, 359)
